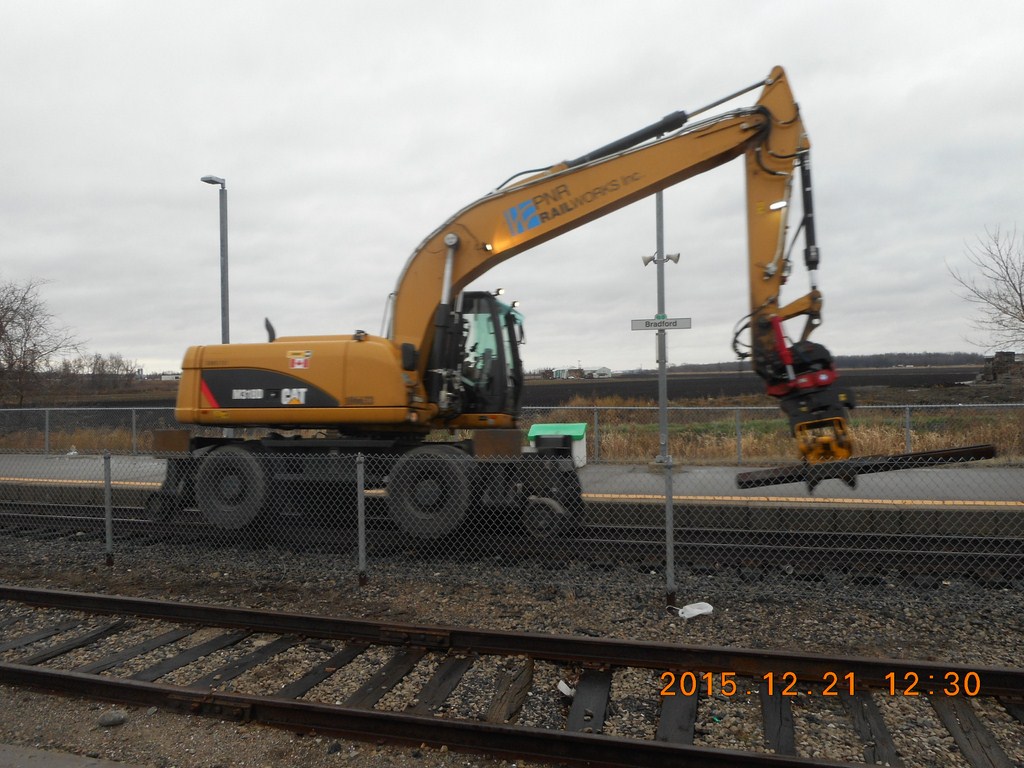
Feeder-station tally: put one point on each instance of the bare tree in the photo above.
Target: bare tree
(112, 371)
(91, 373)
(31, 339)
(996, 285)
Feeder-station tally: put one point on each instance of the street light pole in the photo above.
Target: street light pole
(664, 458)
(225, 333)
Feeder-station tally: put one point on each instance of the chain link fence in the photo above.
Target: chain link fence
(84, 430)
(697, 435)
(599, 500)
(757, 435)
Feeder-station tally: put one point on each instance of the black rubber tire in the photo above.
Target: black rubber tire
(429, 491)
(231, 487)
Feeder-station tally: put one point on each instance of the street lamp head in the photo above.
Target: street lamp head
(213, 180)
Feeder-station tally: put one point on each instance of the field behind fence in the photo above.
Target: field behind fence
(698, 435)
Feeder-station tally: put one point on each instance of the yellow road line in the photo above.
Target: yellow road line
(80, 481)
(624, 497)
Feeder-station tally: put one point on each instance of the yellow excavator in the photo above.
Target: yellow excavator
(450, 357)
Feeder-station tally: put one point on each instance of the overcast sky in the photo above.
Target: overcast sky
(348, 131)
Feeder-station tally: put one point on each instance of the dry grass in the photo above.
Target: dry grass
(117, 440)
(753, 430)
(749, 429)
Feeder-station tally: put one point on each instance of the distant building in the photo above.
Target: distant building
(1003, 368)
(580, 373)
(567, 373)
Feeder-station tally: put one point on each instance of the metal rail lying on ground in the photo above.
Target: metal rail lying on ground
(848, 470)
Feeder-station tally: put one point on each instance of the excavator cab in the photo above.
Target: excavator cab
(486, 357)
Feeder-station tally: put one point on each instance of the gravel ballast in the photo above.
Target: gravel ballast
(954, 620)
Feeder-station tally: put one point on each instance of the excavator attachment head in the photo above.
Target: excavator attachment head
(804, 379)
(817, 418)
(823, 440)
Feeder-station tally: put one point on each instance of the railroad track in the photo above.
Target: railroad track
(562, 699)
(993, 559)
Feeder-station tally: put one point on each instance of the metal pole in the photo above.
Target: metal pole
(659, 260)
(739, 439)
(108, 509)
(664, 458)
(225, 333)
(906, 431)
(361, 516)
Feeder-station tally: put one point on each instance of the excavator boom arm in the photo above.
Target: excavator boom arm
(769, 135)
(568, 195)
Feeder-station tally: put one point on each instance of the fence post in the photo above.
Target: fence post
(906, 430)
(361, 517)
(597, 438)
(739, 439)
(46, 431)
(135, 445)
(670, 535)
(108, 509)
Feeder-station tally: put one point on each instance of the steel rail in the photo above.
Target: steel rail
(939, 554)
(588, 651)
(850, 469)
(496, 734)
(600, 533)
(512, 741)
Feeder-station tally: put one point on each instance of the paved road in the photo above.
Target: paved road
(79, 469)
(979, 482)
(944, 484)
